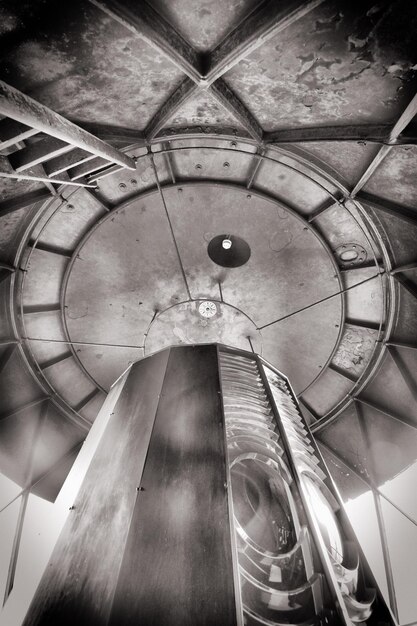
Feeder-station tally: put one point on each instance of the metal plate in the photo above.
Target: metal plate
(126, 273)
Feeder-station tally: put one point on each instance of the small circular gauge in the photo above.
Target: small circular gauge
(207, 309)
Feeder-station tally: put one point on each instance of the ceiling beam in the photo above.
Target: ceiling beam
(363, 323)
(254, 168)
(64, 162)
(86, 400)
(24, 407)
(12, 132)
(8, 342)
(38, 152)
(22, 108)
(142, 20)
(233, 105)
(372, 167)
(404, 120)
(343, 373)
(54, 360)
(21, 202)
(325, 206)
(386, 206)
(183, 93)
(385, 411)
(195, 131)
(407, 284)
(400, 344)
(106, 206)
(29, 309)
(403, 370)
(268, 19)
(404, 268)
(5, 357)
(50, 248)
(352, 132)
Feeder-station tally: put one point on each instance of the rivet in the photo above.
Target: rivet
(226, 164)
(233, 144)
(198, 166)
(133, 181)
(179, 189)
(122, 186)
(249, 196)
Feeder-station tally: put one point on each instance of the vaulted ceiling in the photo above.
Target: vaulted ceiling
(290, 125)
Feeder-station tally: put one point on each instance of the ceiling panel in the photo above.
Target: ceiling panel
(402, 236)
(79, 62)
(406, 323)
(17, 385)
(18, 434)
(344, 436)
(341, 63)
(348, 158)
(300, 192)
(394, 179)
(202, 109)
(392, 444)
(389, 390)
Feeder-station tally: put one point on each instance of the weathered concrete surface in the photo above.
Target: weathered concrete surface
(206, 23)
(77, 61)
(341, 63)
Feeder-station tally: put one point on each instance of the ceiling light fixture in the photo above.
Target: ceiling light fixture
(228, 250)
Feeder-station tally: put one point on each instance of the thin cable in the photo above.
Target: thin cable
(82, 343)
(309, 306)
(158, 184)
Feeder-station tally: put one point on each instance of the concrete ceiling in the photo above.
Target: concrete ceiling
(289, 125)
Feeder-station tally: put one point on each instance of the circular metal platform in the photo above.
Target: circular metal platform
(115, 273)
(127, 271)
